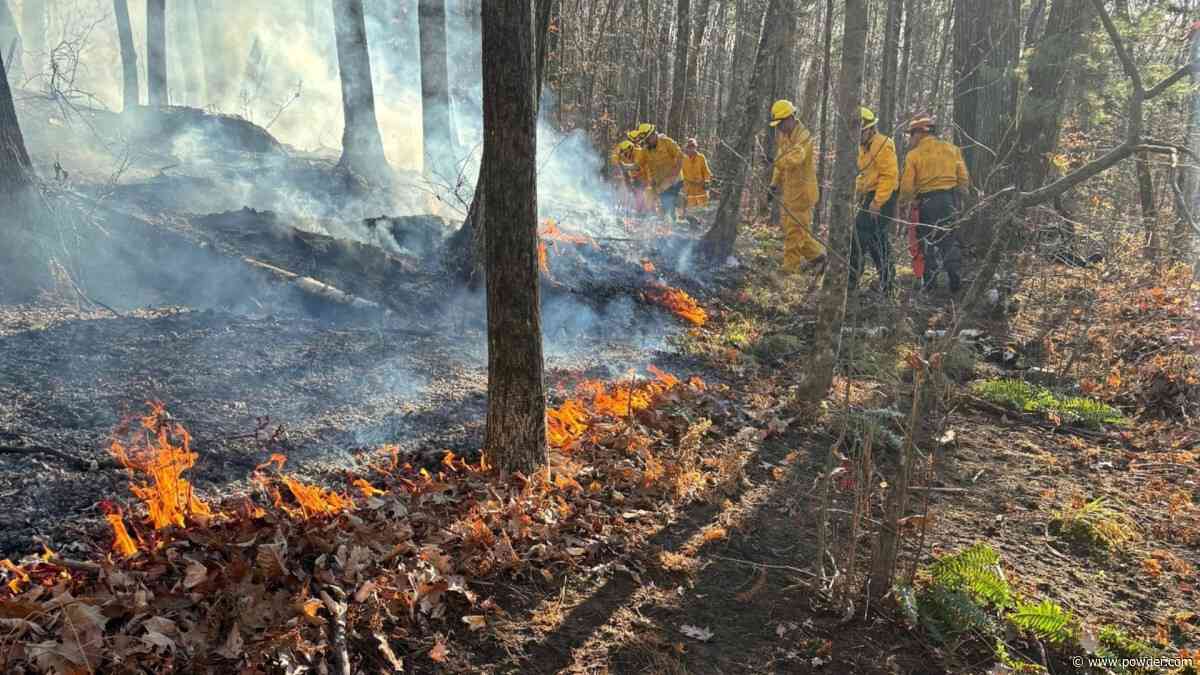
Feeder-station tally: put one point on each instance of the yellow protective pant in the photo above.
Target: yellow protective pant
(799, 246)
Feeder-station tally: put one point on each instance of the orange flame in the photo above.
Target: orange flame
(550, 230)
(679, 302)
(122, 542)
(315, 501)
(163, 453)
(568, 423)
(543, 258)
(366, 488)
(19, 575)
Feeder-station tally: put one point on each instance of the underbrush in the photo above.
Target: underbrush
(1026, 397)
(1095, 524)
(966, 605)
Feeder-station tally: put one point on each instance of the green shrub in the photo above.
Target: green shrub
(1031, 398)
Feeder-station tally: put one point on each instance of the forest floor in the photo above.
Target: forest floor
(672, 536)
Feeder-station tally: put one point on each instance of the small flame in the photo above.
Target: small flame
(18, 574)
(366, 488)
(163, 453)
(543, 258)
(122, 542)
(550, 230)
(568, 423)
(680, 302)
(314, 500)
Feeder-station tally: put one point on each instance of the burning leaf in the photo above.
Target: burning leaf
(366, 488)
(679, 302)
(696, 633)
(162, 453)
(314, 500)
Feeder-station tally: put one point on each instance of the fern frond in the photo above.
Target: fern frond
(1046, 620)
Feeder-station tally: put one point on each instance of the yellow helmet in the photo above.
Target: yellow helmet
(624, 146)
(644, 129)
(867, 118)
(781, 110)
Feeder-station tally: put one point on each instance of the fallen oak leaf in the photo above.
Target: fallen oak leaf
(195, 575)
(440, 652)
(232, 649)
(475, 621)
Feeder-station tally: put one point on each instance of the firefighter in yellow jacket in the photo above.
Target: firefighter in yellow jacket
(875, 188)
(661, 164)
(934, 175)
(696, 176)
(794, 183)
(624, 173)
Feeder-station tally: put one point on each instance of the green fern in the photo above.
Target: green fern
(1046, 620)
(1031, 398)
(975, 570)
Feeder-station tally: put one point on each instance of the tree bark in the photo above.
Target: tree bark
(156, 53)
(362, 145)
(831, 304)
(683, 29)
(516, 419)
(749, 22)
(718, 242)
(16, 171)
(986, 41)
(1149, 208)
(691, 118)
(10, 40)
(822, 125)
(129, 67)
(887, 76)
(437, 123)
(1184, 237)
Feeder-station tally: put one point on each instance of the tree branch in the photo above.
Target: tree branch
(1172, 79)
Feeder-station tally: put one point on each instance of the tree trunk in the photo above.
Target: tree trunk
(466, 250)
(683, 26)
(718, 242)
(986, 40)
(903, 77)
(822, 125)
(831, 305)
(16, 171)
(1149, 208)
(887, 76)
(10, 40)
(749, 21)
(156, 53)
(362, 145)
(129, 67)
(691, 117)
(1042, 107)
(33, 35)
(1184, 237)
(516, 418)
(441, 155)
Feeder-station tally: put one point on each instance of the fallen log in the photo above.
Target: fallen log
(314, 288)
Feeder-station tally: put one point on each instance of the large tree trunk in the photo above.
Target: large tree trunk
(822, 125)
(718, 242)
(749, 21)
(887, 77)
(33, 35)
(986, 40)
(156, 53)
(1148, 205)
(465, 251)
(683, 26)
(10, 40)
(831, 304)
(441, 155)
(129, 67)
(16, 171)
(1042, 106)
(516, 419)
(362, 145)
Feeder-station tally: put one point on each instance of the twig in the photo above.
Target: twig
(953, 490)
(786, 568)
(337, 629)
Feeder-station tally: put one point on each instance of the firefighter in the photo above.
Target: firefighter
(794, 183)
(696, 176)
(875, 187)
(934, 176)
(661, 163)
(624, 169)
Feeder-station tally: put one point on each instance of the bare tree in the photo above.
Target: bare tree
(156, 53)
(362, 144)
(437, 122)
(516, 419)
(831, 304)
(129, 66)
(16, 171)
(679, 81)
(888, 76)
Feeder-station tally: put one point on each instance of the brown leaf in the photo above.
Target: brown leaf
(385, 649)
(475, 621)
(439, 651)
(364, 591)
(196, 574)
(232, 649)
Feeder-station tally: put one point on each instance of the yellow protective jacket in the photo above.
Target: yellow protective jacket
(932, 165)
(795, 170)
(878, 170)
(660, 166)
(695, 171)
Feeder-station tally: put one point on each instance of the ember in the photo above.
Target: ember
(679, 302)
(162, 451)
